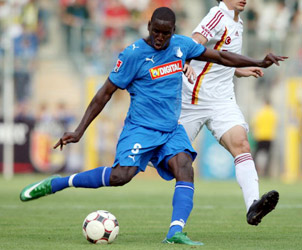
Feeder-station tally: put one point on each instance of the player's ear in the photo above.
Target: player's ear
(149, 25)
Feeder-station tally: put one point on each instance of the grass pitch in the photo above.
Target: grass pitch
(143, 209)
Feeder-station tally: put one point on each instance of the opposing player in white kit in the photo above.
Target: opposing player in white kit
(210, 100)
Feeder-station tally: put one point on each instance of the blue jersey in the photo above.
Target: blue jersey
(153, 79)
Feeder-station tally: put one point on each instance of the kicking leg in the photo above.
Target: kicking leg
(95, 178)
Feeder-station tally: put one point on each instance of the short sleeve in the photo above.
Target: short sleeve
(125, 69)
(210, 24)
(194, 49)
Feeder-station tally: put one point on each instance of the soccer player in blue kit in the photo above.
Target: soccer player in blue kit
(151, 70)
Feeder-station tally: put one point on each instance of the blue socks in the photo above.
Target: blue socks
(94, 178)
(182, 206)
(99, 177)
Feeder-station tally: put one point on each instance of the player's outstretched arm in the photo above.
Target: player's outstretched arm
(249, 71)
(239, 72)
(94, 108)
(235, 60)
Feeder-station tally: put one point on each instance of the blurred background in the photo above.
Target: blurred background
(55, 54)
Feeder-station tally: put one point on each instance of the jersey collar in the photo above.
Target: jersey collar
(231, 13)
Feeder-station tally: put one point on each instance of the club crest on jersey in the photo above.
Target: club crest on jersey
(178, 52)
(166, 69)
(228, 40)
(118, 65)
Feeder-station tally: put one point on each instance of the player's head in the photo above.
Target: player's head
(164, 14)
(161, 28)
(237, 5)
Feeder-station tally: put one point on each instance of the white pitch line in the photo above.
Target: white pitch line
(130, 206)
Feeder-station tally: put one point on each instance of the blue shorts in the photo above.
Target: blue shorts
(139, 145)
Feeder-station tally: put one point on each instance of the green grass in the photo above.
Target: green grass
(143, 208)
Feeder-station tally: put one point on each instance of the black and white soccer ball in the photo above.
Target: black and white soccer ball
(100, 227)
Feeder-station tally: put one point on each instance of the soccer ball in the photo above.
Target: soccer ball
(100, 227)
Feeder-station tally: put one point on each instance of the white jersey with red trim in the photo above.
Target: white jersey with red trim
(214, 81)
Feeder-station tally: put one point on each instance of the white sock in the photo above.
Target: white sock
(247, 178)
(70, 180)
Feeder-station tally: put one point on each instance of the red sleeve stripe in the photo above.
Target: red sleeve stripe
(209, 23)
(205, 33)
(215, 20)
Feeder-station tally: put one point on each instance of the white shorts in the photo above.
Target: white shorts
(219, 117)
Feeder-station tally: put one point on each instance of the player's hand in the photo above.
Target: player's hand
(68, 137)
(189, 73)
(250, 71)
(271, 59)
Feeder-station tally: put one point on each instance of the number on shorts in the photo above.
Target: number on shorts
(136, 148)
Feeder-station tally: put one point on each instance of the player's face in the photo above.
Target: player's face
(237, 5)
(160, 33)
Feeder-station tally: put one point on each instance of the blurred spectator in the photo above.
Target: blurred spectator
(293, 40)
(96, 10)
(75, 15)
(153, 5)
(25, 51)
(252, 19)
(139, 5)
(43, 114)
(181, 16)
(295, 65)
(116, 19)
(23, 113)
(280, 25)
(252, 25)
(274, 25)
(110, 29)
(63, 115)
(65, 3)
(30, 16)
(136, 9)
(10, 19)
(264, 130)
(43, 17)
(116, 23)
(295, 13)
(4, 12)
(208, 4)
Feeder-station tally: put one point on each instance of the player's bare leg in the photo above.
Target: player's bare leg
(236, 142)
(122, 175)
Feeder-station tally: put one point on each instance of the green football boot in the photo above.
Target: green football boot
(37, 189)
(182, 238)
